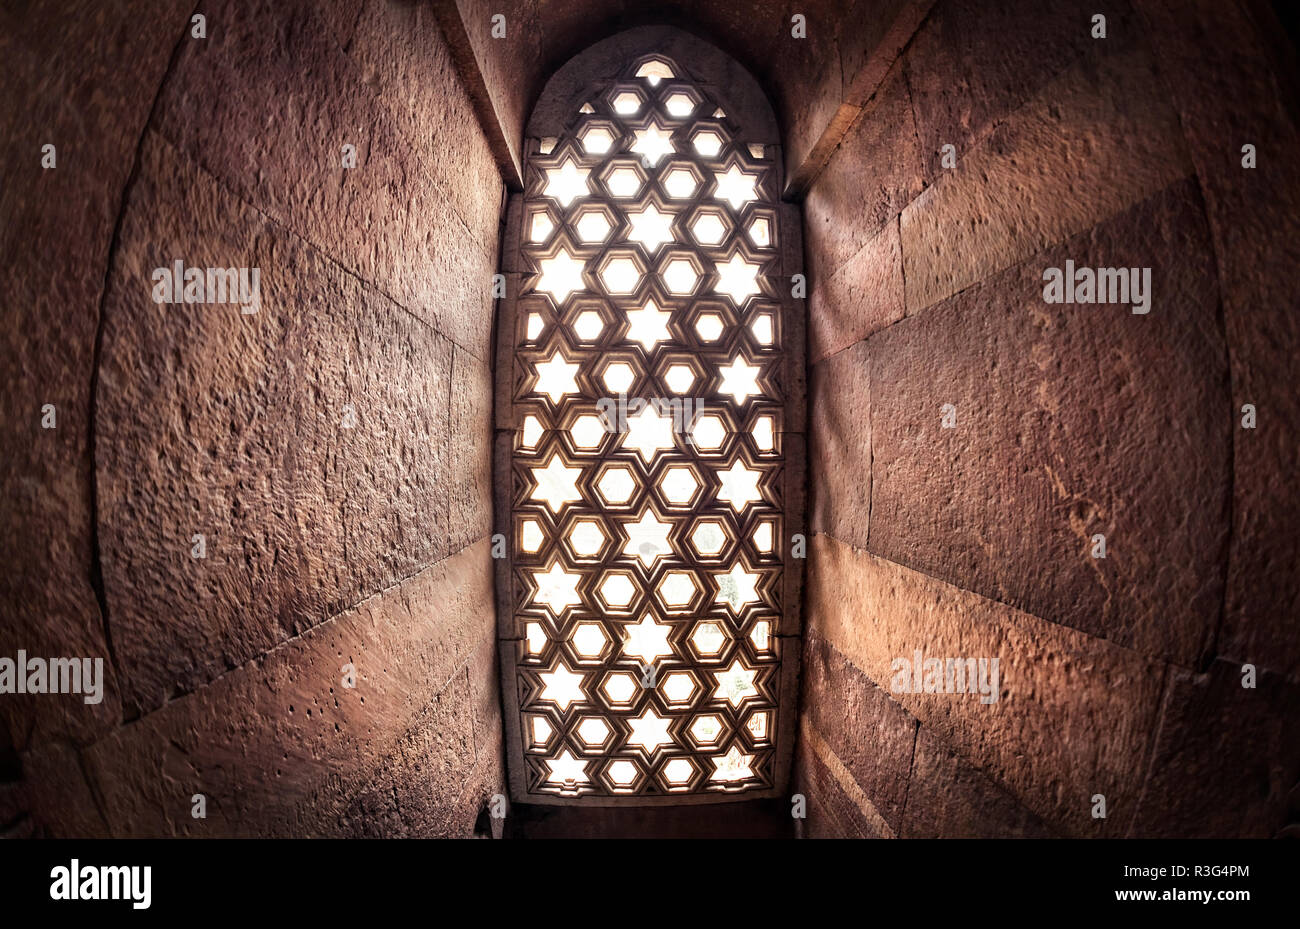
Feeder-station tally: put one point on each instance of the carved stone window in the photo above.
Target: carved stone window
(650, 451)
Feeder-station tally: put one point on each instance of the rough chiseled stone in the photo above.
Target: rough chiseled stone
(972, 64)
(864, 296)
(1071, 421)
(1231, 74)
(948, 798)
(1098, 138)
(872, 176)
(248, 441)
(55, 239)
(833, 812)
(469, 454)
(277, 744)
(267, 111)
(1225, 756)
(869, 733)
(1074, 714)
(840, 438)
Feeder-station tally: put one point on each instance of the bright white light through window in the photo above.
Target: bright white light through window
(567, 183)
(645, 549)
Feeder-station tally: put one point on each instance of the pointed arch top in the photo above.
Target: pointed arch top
(700, 63)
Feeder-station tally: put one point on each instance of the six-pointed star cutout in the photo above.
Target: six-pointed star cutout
(737, 278)
(567, 183)
(561, 276)
(566, 769)
(649, 731)
(556, 377)
(737, 588)
(647, 640)
(651, 228)
(557, 589)
(740, 379)
(648, 325)
(563, 686)
(647, 538)
(557, 484)
(736, 683)
(733, 766)
(735, 186)
(648, 432)
(739, 486)
(652, 143)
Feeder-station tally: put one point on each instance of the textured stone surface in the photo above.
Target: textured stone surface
(400, 54)
(469, 453)
(863, 296)
(54, 239)
(948, 798)
(279, 744)
(1225, 757)
(267, 110)
(1072, 420)
(1233, 78)
(874, 174)
(871, 735)
(247, 440)
(1093, 141)
(840, 439)
(837, 807)
(1075, 714)
(973, 63)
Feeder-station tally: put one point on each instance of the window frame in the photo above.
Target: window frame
(748, 115)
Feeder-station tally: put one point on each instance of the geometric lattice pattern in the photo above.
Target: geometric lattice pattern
(647, 517)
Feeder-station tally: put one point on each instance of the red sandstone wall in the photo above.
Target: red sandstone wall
(325, 545)
(1121, 676)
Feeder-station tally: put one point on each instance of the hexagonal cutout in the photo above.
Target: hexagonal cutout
(540, 225)
(540, 732)
(679, 485)
(655, 70)
(708, 433)
(709, 327)
(593, 732)
(623, 179)
(708, 142)
(616, 484)
(620, 273)
(708, 639)
(679, 772)
(586, 537)
(680, 274)
(618, 376)
(680, 103)
(587, 432)
(709, 537)
(589, 640)
(620, 688)
(710, 225)
(588, 326)
(677, 590)
(707, 730)
(622, 775)
(593, 224)
(617, 589)
(627, 102)
(681, 181)
(598, 137)
(679, 688)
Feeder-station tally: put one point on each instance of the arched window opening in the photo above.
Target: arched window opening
(647, 476)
